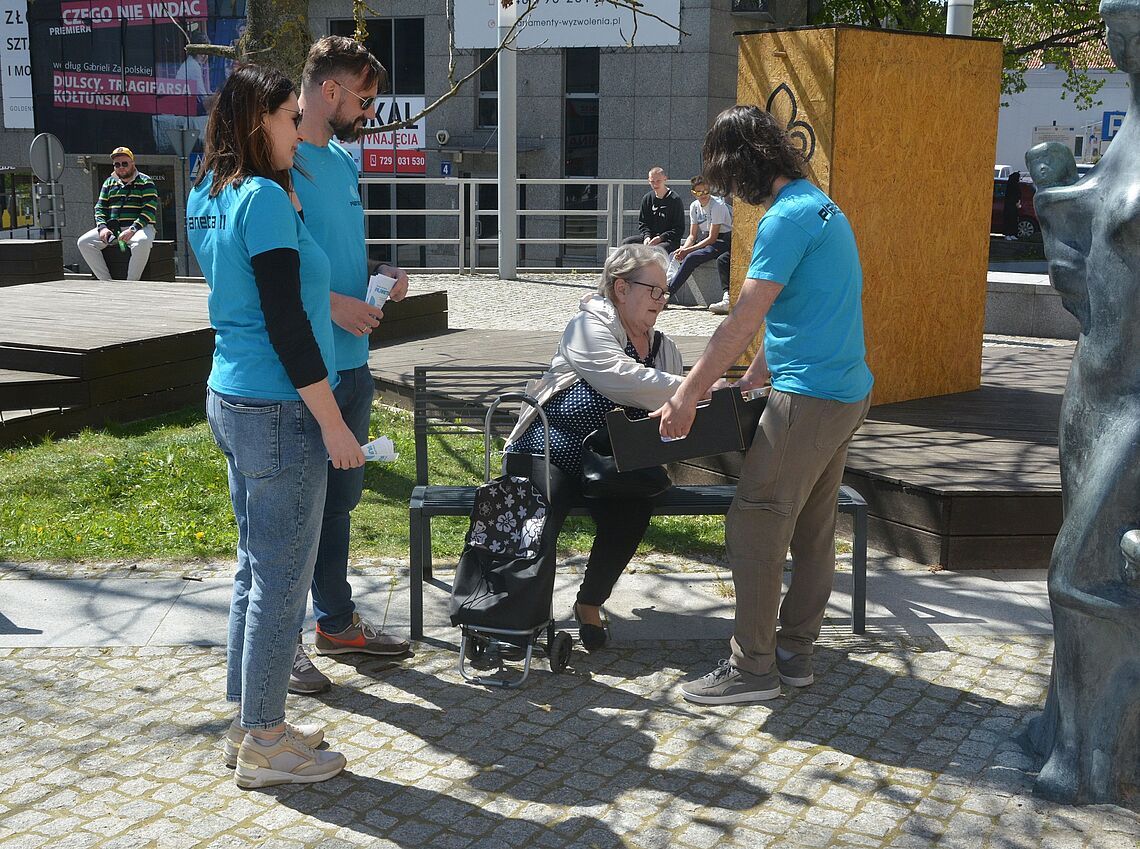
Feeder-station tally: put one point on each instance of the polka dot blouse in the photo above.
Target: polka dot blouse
(574, 413)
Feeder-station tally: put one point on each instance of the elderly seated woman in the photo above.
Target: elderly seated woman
(609, 356)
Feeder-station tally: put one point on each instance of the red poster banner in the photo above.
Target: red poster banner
(378, 161)
(75, 90)
(97, 14)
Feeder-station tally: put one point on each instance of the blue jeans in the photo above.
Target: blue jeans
(332, 594)
(277, 466)
(720, 250)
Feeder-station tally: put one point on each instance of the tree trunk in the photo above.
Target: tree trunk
(276, 35)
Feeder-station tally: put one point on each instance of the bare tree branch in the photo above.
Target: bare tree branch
(361, 8)
(505, 44)
(1070, 39)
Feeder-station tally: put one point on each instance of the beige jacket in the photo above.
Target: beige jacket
(592, 349)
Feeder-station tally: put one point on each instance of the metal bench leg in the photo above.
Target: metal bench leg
(859, 570)
(416, 576)
(425, 535)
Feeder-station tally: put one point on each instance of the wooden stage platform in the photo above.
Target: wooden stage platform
(79, 352)
(969, 480)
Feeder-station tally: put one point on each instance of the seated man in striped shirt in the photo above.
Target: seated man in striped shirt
(125, 213)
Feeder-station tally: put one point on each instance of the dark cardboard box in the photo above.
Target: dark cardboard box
(726, 423)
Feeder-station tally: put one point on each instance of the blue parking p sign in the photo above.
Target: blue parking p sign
(1110, 125)
(445, 169)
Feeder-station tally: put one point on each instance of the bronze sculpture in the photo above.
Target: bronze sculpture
(1089, 732)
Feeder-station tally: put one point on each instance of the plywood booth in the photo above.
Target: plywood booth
(900, 130)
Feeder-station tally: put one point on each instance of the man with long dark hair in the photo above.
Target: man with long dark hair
(804, 285)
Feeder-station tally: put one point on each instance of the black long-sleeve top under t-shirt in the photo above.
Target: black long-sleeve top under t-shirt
(277, 274)
(664, 217)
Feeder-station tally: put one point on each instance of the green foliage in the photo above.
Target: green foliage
(157, 490)
(1056, 32)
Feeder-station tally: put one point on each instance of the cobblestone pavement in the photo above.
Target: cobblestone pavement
(902, 741)
(899, 743)
(540, 302)
(547, 300)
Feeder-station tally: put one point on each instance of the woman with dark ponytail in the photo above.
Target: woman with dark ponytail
(270, 406)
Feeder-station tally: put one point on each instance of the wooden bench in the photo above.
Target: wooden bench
(455, 399)
(159, 265)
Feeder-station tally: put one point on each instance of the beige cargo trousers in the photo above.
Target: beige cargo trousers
(786, 498)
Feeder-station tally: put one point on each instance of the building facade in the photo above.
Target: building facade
(590, 112)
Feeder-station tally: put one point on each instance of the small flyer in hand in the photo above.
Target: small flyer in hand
(379, 287)
(380, 449)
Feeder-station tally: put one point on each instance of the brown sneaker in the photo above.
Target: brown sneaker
(288, 761)
(360, 637)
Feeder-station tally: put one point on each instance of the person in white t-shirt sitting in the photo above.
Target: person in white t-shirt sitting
(710, 237)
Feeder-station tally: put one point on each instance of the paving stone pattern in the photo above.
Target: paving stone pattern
(540, 303)
(900, 743)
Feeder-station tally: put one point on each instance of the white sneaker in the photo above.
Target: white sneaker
(288, 761)
(311, 734)
(721, 307)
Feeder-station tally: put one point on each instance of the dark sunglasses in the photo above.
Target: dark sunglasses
(365, 102)
(297, 116)
(656, 292)
(122, 164)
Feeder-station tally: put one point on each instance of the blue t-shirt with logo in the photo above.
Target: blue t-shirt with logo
(326, 181)
(225, 232)
(813, 336)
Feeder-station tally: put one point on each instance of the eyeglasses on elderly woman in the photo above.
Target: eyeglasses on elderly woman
(656, 292)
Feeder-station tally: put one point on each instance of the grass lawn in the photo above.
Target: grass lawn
(156, 490)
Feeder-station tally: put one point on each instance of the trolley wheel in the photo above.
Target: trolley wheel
(560, 648)
(476, 647)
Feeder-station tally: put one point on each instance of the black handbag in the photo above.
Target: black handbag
(601, 478)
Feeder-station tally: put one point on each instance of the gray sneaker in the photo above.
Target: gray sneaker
(311, 735)
(727, 685)
(305, 679)
(288, 761)
(796, 671)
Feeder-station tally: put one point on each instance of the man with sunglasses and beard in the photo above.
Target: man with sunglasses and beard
(125, 212)
(339, 87)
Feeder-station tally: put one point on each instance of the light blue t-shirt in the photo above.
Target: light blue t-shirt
(813, 336)
(225, 232)
(326, 181)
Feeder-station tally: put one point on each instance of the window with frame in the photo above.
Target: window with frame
(487, 109)
(582, 79)
(399, 45)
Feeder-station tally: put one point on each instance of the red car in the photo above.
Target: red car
(1027, 226)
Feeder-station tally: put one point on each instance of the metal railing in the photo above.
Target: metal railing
(454, 219)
